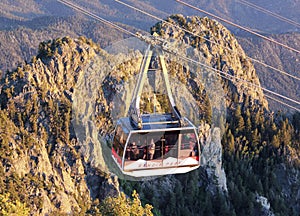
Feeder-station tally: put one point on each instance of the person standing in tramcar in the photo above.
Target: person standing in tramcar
(151, 150)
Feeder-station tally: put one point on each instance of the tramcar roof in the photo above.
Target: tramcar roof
(154, 123)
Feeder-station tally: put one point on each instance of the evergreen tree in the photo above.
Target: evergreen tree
(122, 205)
(275, 141)
(230, 141)
(239, 121)
(9, 207)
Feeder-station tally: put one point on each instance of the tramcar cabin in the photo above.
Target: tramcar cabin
(161, 147)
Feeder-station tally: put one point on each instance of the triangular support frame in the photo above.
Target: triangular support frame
(134, 112)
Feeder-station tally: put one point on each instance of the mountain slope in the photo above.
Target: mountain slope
(19, 45)
(280, 58)
(233, 10)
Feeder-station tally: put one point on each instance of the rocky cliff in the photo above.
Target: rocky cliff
(41, 160)
(220, 50)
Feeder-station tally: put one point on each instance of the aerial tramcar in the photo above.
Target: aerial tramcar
(151, 144)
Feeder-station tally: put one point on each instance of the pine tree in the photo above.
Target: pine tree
(10, 207)
(122, 205)
(255, 137)
(230, 140)
(239, 121)
(275, 141)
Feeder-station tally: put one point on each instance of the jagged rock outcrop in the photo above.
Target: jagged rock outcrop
(211, 159)
(265, 205)
(220, 50)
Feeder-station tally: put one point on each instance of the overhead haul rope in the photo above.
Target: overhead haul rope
(266, 95)
(266, 11)
(137, 35)
(279, 101)
(238, 26)
(82, 10)
(194, 34)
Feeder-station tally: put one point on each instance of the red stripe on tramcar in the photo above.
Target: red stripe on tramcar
(115, 154)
